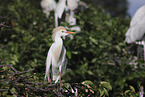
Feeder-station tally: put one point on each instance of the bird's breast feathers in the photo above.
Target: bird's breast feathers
(57, 52)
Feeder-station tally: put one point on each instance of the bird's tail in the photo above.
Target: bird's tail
(48, 63)
(55, 73)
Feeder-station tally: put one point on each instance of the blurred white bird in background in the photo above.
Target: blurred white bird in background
(60, 7)
(136, 30)
(57, 55)
(63, 6)
(141, 92)
(72, 5)
(47, 6)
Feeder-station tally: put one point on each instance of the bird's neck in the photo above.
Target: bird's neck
(58, 40)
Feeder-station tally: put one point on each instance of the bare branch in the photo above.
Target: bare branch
(4, 90)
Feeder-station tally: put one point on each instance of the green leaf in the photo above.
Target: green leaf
(127, 91)
(101, 92)
(13, 91)
(88, 82)
(106, 92)
(90, 72)
(132, 88)
(5, 68)
(68, 54)
(106, 85)
(93, 40)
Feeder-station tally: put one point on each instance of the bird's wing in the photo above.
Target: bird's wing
(64, 60)
(56, 60)
(60, 8)
(62, 65)
(135, 33)
(139, 15)
(57, 53)
(48, 62)
(137, 29)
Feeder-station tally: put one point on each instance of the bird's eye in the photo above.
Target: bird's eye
(63, 31)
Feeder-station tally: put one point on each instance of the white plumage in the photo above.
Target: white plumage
(137, 26)
(56, 55)
(72, 4)
(59, 10)
(72, 21)
(47, 6)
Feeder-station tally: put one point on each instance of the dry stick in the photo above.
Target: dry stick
(13, 68)
(36, 89)
(4, 90)
(23, 72)
(4, 65)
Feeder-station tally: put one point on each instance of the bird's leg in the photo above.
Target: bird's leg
(60, 75)
(50, 81)
(56, 20)
(67, 17)
(60, 78)
(144, 50)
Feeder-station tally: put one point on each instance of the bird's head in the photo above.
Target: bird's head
(60, 31)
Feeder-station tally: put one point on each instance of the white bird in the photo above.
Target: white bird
(47, 6)
(72, 5)
(61, 5)
(137, 26)
(57, 55)
(136, 30)
(72, 21)
(141, 92)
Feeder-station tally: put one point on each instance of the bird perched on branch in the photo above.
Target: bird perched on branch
(136, 30)
(57, 55)
(68, 6)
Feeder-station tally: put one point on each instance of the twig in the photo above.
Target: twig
(23, 72)
(4, 65)
(11, 66)
(4, 90)
(38, 89)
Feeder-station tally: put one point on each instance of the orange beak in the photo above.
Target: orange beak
(69, 32)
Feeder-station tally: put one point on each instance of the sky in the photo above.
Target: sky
(134, 5)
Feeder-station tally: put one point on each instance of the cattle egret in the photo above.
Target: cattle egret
(72, 5)
(136, 30)
(141, 92)
(61, 5)
(57, 55)
(47, 6)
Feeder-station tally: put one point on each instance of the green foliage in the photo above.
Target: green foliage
(98, 56)
(131, 92)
